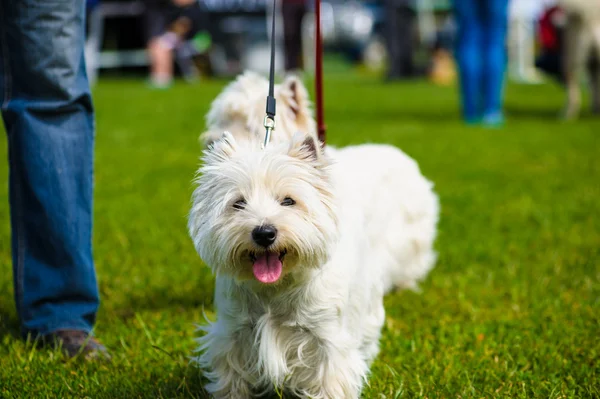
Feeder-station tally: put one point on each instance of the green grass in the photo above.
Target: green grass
(512, 309)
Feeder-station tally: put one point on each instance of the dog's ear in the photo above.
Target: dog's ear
(292, 96)
(313, 147)
(210, 136)
(306, 148)
(221, 149)
(295, 94)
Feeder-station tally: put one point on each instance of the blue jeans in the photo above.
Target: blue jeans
(48, 115)
(481, 56)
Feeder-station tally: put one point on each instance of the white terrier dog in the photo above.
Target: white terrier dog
(304, 242)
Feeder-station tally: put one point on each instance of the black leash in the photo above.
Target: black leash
(269, 121)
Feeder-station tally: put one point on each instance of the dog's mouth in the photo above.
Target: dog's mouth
(267, 266)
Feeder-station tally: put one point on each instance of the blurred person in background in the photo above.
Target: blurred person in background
(49, 120)
(550, 33)
(481, 58)
(293, 12)
(169, 23)
(399, 27)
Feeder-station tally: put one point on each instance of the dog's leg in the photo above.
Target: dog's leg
(573, 63)
(595, 86)
(221, 359)
(595, 72)
(339, 373)
(345, 378)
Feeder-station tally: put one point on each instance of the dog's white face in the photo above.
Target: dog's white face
(263, 214)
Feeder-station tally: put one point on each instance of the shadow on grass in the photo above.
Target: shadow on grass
(519, 111)
(186, 382)
(165, 297)
(9, 325)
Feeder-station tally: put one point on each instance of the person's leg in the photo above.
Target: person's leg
(517, 43)
(468, 56)
(48, 115)
(494, 59)
(292, 14)
(159, 47)
(161, 62)
(392, 40)
(300, 14)
(405, 17)
(528, 54)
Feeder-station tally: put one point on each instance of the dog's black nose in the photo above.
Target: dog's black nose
(264, 235)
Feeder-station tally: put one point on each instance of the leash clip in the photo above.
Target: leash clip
(269, 124)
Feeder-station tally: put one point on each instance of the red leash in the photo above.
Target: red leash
(319, 73)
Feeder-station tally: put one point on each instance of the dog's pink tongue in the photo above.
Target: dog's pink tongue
(267, 268)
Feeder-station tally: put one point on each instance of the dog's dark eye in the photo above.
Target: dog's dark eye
(287, 201)
(239, 204)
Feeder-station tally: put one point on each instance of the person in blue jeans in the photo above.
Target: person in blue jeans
(49, 120)
(481, 57)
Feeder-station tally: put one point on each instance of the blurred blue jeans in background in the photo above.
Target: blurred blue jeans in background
(482, 57)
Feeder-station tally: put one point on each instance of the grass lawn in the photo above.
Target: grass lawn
(511, 310)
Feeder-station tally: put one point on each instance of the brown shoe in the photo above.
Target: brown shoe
(76, 342)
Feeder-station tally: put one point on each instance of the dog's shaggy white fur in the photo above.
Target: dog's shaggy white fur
(350, 224)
